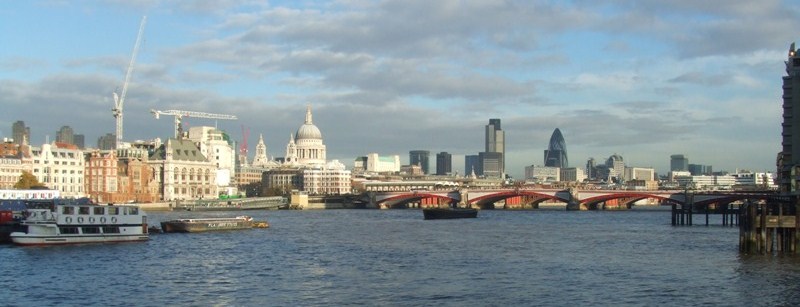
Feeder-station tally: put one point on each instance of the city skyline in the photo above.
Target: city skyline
(644, 81)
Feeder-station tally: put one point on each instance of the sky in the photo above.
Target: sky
(642, 79)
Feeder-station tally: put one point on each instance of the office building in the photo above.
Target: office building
(444, 164)
(421, 158)
(65, 135)
(789, 157)
(556, 153)
(472, 165)
(678, 163)
(495, 143)
(20, 133)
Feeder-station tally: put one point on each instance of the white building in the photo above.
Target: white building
(331, 179)
(184, 171)
(11, 169)
(214, 145)
(60, 167)
(378, 164)
(306, 147)
(757, 180)
(640, 173)
(572, 174)
(538, 173)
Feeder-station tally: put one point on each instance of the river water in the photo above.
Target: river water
(395, 258)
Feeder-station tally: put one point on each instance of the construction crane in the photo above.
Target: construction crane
(243, 147)
(119, 100)
(180, 114)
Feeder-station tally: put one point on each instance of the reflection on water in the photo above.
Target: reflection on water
(394, 257)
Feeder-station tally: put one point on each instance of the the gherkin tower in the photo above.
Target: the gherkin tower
(556, 153)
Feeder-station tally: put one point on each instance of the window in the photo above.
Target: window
(68, 230)
(94, 229)
(83, 210)
(111, 229)
(99, 211)
(67, 210)
(113, 211)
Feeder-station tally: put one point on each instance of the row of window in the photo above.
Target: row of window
(88, 229)
(100, 210)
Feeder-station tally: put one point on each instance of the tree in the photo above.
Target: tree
(28, 181)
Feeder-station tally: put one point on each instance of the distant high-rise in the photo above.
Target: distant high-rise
(789, 157)
(495, 143)
(444, 164)
(472, 164)
(20, 133)
(79, 140)
(678, 163)
(421, 158)
(107, 142)
(556, 153)
(699, 169)
(65, 135)
(591, 169)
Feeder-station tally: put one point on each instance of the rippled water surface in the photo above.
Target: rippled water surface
(394, 257)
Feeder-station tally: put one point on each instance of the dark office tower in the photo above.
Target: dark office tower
(20, 133)
(444, 164)
(495, 142)
(472, 163)
(107, 142)
(591, 169)
(65, 135)
(421, 158)
(678, 163)
(789, 157)
(79, 140)
(556, 153)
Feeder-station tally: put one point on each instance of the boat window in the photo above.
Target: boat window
(90, 229)
(83, 210)
(113, 211)
(99, 211)
(68, 210)
(111, 229)
(133, 210)
(68, 230)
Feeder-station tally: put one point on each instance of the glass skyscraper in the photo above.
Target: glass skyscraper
(556, 153)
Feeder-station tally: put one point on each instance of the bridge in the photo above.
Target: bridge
(523, 198)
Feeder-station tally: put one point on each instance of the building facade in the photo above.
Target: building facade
(421, 158)
(59, 166)
(538, 173)
(306, 147)
(444, 164)
(788, 163)
(495, 143)
(678, 163)
(20, 133)
(556, 153)
(184, 171)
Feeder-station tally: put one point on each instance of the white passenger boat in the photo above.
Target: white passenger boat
(75, 224)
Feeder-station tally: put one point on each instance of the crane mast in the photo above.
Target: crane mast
(119, 100)
(179, 114)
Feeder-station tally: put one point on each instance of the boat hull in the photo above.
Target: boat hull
(203, 226)
(448, 213)
(24, 239)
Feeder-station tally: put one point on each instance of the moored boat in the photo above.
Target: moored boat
(449, 213)
(75, 224)
(207, 224)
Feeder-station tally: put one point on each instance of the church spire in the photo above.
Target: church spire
(308, 115)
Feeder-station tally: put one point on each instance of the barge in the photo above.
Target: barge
(207, 224)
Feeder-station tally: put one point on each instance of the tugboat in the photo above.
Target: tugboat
(75, 224)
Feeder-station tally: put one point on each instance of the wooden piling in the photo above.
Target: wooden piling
(769, 228)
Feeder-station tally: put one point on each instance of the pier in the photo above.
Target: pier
(767, 228)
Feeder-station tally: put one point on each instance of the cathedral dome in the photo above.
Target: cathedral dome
(308, 131)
